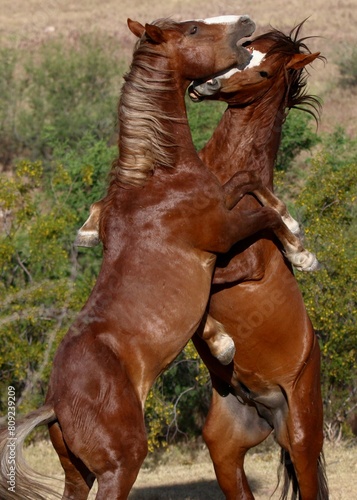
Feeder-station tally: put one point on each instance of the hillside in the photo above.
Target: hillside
(334, 23)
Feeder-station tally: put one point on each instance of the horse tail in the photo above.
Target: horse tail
(290, 480)
(286, 469)
(17, 480)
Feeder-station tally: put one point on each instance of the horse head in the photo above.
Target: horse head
(276, 58)
(205, 46)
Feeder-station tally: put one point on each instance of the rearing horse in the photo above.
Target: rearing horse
(273, 383)
(163, 220)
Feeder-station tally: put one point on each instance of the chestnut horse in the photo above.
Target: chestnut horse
(274, 382)
(163, 220)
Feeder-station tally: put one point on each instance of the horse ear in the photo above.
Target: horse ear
(136, 28)
(299, 61)
(154, 33)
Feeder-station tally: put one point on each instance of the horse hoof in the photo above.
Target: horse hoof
(227, 355)
(87, 239)
(305, 261)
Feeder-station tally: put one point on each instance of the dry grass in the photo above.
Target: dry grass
(29, 23)
(183, 476)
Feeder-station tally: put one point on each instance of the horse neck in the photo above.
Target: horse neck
(247, 138)
(154, 129)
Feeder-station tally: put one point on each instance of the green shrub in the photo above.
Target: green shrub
(61, 92)
(203, 119)
(8, 101)
(44, 282)
(297, 136)
(328, 204)
(347, 64)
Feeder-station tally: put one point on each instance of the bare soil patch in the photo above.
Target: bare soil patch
(183, 476)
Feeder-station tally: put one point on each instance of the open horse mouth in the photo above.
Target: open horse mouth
(213, 84)
(246, 28)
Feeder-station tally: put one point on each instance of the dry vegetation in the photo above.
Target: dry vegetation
(190, 476)
(35, 21)
(30, 22)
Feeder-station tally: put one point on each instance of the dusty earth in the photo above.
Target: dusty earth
(333, 22)
(183, 476)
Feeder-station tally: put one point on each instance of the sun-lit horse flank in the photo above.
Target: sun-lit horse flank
(274, 382)
(164, 219)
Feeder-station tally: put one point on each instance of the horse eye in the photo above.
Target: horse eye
(263, 74)
(193, 30)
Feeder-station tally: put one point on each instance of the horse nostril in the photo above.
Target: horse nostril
(245, 19)
(214, 84)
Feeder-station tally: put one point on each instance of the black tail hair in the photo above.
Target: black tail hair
(290, 481)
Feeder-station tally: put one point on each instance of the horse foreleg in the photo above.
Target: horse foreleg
(219, 342)
(88, 234)
(244, 182)
(267, 198)
(294, 251)
(240, 184)
(231, 429)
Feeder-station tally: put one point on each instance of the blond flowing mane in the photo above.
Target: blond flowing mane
(144, 141)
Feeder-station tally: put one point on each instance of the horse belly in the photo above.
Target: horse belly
(269, 324)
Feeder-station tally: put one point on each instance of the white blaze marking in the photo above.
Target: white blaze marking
(255, 61)
(224, 19)
(218, 20)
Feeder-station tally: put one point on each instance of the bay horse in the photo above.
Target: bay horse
(273, 383)
(163, 220)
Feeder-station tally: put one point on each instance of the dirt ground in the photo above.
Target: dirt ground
(182, 476)
(334, 23)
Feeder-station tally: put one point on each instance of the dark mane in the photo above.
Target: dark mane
(288, 45)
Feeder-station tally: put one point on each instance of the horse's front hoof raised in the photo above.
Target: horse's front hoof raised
(305, 261)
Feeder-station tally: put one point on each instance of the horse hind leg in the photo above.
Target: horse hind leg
(231, 429)
(219, 342)
(301, 434)
(78, 478)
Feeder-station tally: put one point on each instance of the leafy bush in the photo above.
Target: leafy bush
(347, 64)
(43, 280)
(8, 99)
(297, 136)
(328, 202)
(203, 118)
(60, 93)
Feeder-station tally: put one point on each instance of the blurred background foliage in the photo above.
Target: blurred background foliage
(57, 142)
